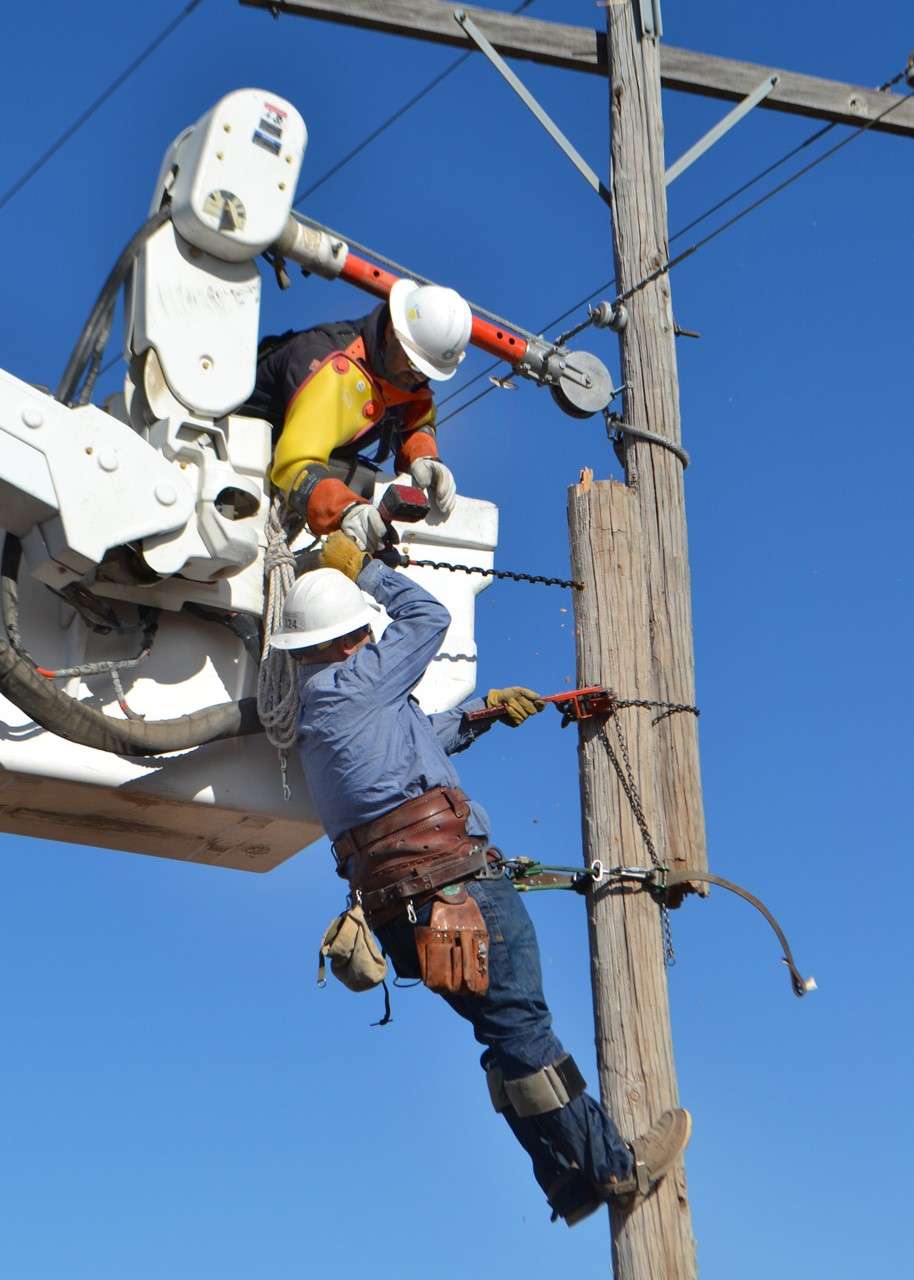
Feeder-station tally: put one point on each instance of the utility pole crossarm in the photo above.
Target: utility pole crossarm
(558, 44)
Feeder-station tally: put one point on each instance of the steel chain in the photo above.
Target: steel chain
(670, 708)
(630, 787)
(497, 573)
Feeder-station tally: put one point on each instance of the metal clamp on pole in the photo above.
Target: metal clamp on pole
(616, 429)
(527, 98)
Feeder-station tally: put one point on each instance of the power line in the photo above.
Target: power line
(392, 119)
(327, 175)
(99, 101)
(675, 261)
(762, 199)
(788, 155)
(410, 274)
(700, 244)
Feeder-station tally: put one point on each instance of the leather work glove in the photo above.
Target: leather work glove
(519, 703)
(364, 524)
(438, 481)
(340, 552)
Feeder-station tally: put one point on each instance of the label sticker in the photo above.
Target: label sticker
(268, 133)
(273, 145)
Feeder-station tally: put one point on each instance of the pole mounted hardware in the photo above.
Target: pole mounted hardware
(650, 19)
(574, 704)
(555, 133)
(579, 382)
(529, 875)
(704, 143)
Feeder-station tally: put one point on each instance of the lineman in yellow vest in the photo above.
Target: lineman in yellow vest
(333, 390)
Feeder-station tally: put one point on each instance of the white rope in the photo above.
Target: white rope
(277, 681)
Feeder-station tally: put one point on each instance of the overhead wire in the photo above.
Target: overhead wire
(762, 199)
(410, 274)
(102, 98)
(776, 164)
(700, 244)
(339, 164)
(675, 261)
(392, 119)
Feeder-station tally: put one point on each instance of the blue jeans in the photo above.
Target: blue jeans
(514, 1023)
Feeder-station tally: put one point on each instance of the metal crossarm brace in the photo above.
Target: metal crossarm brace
(555, 133)
(557, 44)
(758, 94)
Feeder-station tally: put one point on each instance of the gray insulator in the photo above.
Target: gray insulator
(608, 315)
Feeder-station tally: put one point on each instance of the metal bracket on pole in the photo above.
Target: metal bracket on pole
(723, 126)
(555, 133)
(650, 19)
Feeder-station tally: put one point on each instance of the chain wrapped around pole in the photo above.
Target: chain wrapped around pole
(629, 786)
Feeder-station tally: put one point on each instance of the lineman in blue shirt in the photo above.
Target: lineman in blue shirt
(410, 843)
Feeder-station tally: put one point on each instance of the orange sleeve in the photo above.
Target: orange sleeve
(418, 444)
(326, 503)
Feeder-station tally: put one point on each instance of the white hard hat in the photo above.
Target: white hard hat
(320, 606)
(432, 325)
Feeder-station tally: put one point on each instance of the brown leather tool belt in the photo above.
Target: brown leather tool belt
(407, 854)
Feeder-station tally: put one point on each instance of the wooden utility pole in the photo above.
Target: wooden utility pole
(629, 547)
(634, 633)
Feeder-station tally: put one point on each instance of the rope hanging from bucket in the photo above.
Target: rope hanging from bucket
(277, 680)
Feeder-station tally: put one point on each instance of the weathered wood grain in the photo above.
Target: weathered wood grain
(631, 1009)
(648, 356)
(558, 44)
(634, 633)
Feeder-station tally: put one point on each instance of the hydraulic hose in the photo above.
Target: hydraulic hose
(69, 718)
(102, 312)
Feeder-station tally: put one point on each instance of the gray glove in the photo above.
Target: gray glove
(364, 525)
(438, 481)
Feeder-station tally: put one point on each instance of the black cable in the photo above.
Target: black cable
(762, 199)
(99, 318)
(763, 173)
(813, 137)
(101, 342)
(392, 119)
(359, 147)
(99, 101)
(70, 718)
(447, 417)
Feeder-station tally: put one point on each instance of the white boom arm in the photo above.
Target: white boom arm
(161, 501)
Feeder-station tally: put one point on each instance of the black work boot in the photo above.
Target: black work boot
(572, 1198)
(655, 1153)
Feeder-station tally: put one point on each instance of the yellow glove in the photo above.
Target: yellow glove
(519, 703)
(340, 552)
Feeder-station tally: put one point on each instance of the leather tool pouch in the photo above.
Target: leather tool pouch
(453, 948)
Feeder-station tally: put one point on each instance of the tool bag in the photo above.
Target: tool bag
(453, 948)
(355, 957)
(408, 854)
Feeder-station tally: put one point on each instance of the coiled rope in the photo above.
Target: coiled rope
(277, 679)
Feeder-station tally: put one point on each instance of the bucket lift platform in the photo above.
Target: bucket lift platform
(221, 803)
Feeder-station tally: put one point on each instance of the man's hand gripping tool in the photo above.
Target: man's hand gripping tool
(406, 504)
(574, 704)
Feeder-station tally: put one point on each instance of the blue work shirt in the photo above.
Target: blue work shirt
(365, 743)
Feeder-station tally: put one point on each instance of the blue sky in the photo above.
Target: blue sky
(179, 1098)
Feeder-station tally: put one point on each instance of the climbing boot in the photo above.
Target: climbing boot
(655, 1153)
(572, 1198)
